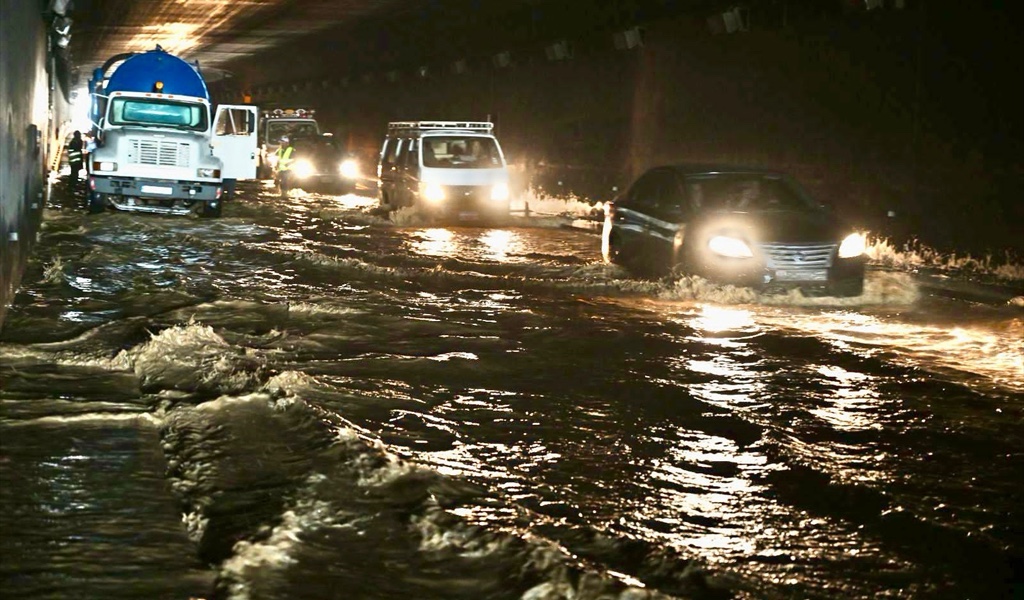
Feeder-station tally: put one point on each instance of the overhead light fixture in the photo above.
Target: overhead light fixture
(560, 50)
(502, 59)
(629, 39)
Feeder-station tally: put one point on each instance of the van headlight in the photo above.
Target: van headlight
(303, 168)
(104, 165)
(854, 245)
(499, 193)
(208, 173)
(729, 246)
(349, 168)
(433, 192)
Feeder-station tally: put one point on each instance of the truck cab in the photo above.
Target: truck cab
(293, 123)
(157, 148)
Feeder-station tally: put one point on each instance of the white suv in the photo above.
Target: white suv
(445, 169)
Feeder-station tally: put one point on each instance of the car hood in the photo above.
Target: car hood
(782, 226)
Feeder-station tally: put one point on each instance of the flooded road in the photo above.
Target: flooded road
(305, 400)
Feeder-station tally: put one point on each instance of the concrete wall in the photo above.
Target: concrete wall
(24, 110)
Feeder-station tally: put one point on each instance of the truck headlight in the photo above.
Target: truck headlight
(208, 173)
(729, 246)
(303, 168)
(433, 192)
(854, 245)
(349, 168)
(499, 193)
(104, 165)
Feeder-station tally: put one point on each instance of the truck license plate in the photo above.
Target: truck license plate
(802, 275)
(157, 189)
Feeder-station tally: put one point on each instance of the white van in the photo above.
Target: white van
(446, 169)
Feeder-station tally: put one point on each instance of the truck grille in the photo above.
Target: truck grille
(796, 256)
(159, 152)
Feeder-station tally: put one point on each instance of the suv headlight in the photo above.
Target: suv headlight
(433, 192)
(208, 173)
(499, 193)
(729, 246)
(349, 168)
(303, 168)
(853, 246)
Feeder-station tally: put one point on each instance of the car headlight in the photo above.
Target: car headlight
(303, 168)
(349, 168)
(208, 172)
(433, 192)
(729, 246)
(104, 165)
(854, 245)
(499, 193)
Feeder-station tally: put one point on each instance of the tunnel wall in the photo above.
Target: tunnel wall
(24, 110)
(871, 112)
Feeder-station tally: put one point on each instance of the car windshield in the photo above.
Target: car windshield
(461, 152)
(744, 192)
(159, 113)
(292, 129)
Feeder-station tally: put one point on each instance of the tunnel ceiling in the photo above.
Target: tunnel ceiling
(220, 33)
(232, 36)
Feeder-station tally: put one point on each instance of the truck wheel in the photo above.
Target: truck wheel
(97, 203)
(211, 210)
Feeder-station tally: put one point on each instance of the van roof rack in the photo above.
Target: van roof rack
(484, 126)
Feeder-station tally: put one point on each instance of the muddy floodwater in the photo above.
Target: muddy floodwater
(306, 400)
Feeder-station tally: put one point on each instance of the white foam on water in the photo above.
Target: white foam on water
(98, 418)
(915, 255)
(193, 355)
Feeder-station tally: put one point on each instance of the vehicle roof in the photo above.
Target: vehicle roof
(710, 168)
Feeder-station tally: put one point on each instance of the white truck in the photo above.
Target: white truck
(281, 122)
(159, 149)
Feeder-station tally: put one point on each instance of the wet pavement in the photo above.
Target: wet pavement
(304, 399)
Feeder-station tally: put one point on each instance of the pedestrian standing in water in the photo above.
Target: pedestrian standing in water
(75, 157)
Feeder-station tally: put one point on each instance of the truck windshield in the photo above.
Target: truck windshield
(159, 113)
(461, 152)
(293, 129)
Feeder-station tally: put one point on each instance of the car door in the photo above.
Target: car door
(410, 172)
(631, 217)
(234, 140)
(388, 171)
(668, 214)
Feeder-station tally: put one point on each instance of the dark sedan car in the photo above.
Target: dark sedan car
(321, 164)
(735, 225)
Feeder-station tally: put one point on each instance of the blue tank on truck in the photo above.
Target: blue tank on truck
(159, 149)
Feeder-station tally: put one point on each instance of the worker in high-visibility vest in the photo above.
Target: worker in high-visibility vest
(76, 157)
(284, 164)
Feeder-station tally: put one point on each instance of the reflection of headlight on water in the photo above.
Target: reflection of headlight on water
(854, 245)
(302, 168)
(349, 168)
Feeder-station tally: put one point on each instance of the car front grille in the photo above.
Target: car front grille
(798, 256)
(161, 153)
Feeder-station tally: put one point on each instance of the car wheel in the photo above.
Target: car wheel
(211, 210)
(97, 203)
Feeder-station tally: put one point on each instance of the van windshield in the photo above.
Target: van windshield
(159, 113)
(461, 152)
